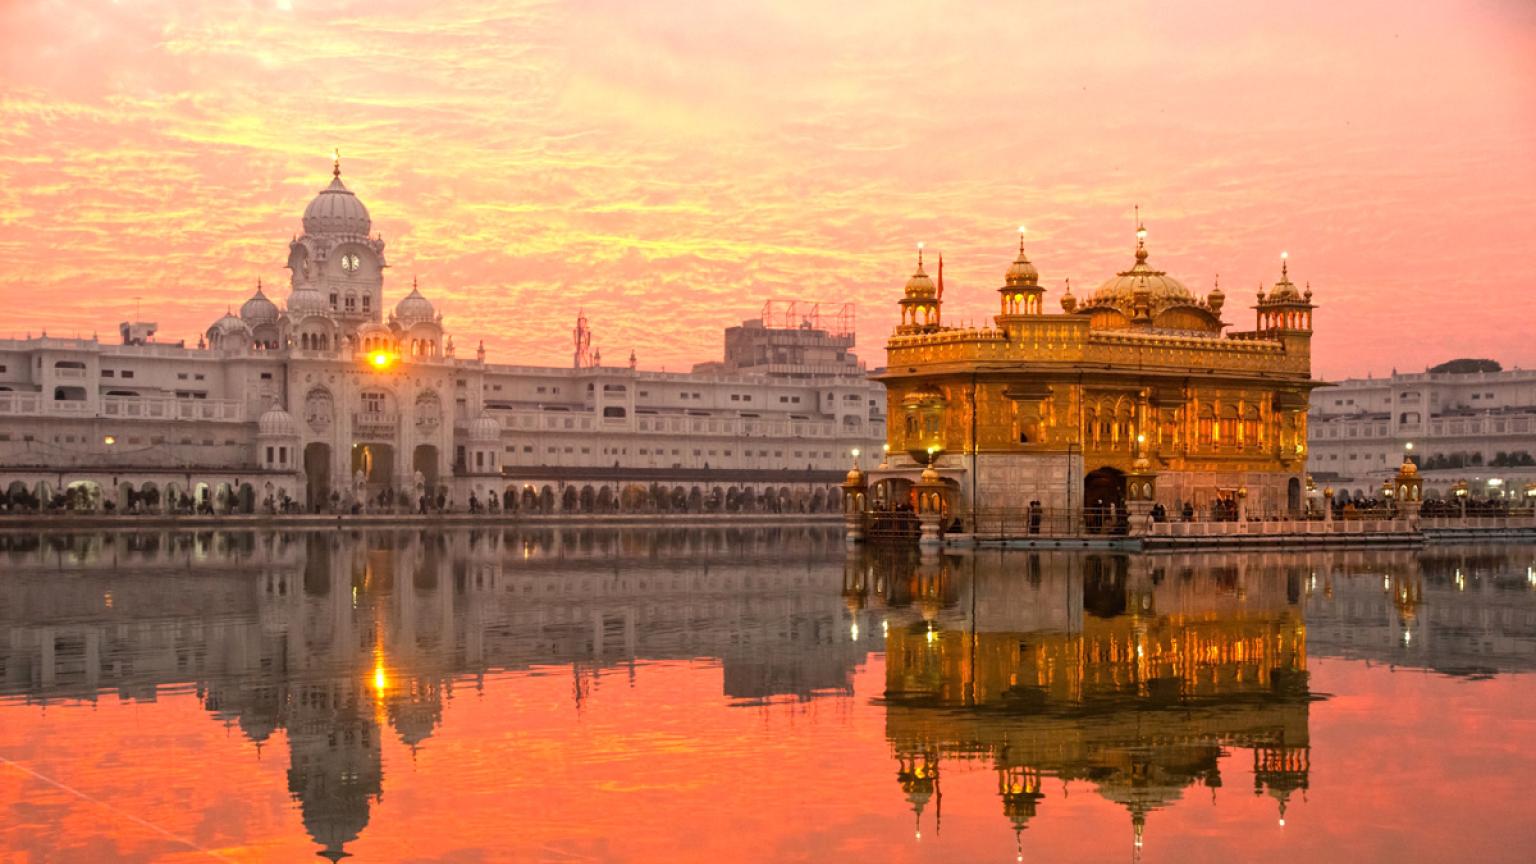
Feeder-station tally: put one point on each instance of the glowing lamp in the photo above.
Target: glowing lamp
(381, 360)
(109, 440)
(855, 452)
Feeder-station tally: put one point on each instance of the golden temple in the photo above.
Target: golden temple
(1136, 395)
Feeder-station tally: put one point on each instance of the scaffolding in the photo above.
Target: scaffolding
(836, 319)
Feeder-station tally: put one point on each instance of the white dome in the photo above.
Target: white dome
(485, 428)
(258, 309)
(306, 299)
(336, 211)
(414, 308)
(228, 325)
(277, 422)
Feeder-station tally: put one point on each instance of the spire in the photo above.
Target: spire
(336, 163)
(1141, 237)
(919, 256)
(1021, 244)
(940, 295)
(1285, 275)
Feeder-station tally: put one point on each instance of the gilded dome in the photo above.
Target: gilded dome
(1022, 273)
(275, 421)
(1120, 290)
(258, 309)
(919, 286)
(414, 308)
(336, 211)
(1285, 289)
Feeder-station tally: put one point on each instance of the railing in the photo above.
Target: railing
(75, 374)
(126, 407)
(374, 422)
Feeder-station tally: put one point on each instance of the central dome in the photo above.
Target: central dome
(1120, 289)
(336, 211)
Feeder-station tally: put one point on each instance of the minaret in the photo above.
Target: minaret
(1021, 292)
(919, 303)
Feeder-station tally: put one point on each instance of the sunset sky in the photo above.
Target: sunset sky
(669, 166)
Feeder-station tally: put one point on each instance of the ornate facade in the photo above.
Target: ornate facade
(1134, 393)
(332, 400)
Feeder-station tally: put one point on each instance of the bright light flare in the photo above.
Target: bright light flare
(382, 360)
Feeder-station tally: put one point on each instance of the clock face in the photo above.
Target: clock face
(350, 262)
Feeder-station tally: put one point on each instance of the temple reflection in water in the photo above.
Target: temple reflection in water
(1139, 674)
(1142, 676)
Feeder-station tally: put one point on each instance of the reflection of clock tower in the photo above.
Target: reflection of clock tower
(337, 258)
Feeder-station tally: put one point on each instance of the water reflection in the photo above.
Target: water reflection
(1147, 678)
(1139, 674)
(335, 638)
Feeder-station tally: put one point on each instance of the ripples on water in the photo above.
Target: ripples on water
(755, 694)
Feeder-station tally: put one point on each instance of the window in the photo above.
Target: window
(108, 373)
(128, 373)
(266, 376)
(333, 299)
(541, 389)
(181, 376)
(196, 377)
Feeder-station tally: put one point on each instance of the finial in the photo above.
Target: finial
(413, 282)
(919, 255)
(336, 163)
(1284, 271)
(258, 284)
(1069, 286)
(1021, 240)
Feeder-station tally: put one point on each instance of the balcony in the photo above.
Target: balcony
(375, 423)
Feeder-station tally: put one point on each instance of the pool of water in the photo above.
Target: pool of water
(756, 694)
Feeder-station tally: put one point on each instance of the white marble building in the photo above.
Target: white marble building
(332, 399)
(1477, 426)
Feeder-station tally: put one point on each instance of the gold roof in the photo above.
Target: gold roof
(919, 286)
(1022, 274)
(1120, 290)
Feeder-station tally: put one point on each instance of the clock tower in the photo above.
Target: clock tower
(338, 258)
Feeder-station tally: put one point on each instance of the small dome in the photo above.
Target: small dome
(919, 286)
(1285, 289)
(485, 428)
(228, 325)
(1022, 273)
(855, 476)
(336, 211)
(414, 308)
(276, 421)
(306, 299)
(258, 309)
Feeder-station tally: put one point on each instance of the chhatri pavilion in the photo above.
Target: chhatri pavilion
(1133, 395)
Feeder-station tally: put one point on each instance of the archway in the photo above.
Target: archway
(605, 499)
(547, 500)
(375, 464)
(569, 500)
(245, 499)
(1293, 496)
(1103, 499)
(588, 499)
(317, 476)
(424, 462)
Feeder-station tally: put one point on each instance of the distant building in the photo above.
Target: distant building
(331, 399)
(1465, 420)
